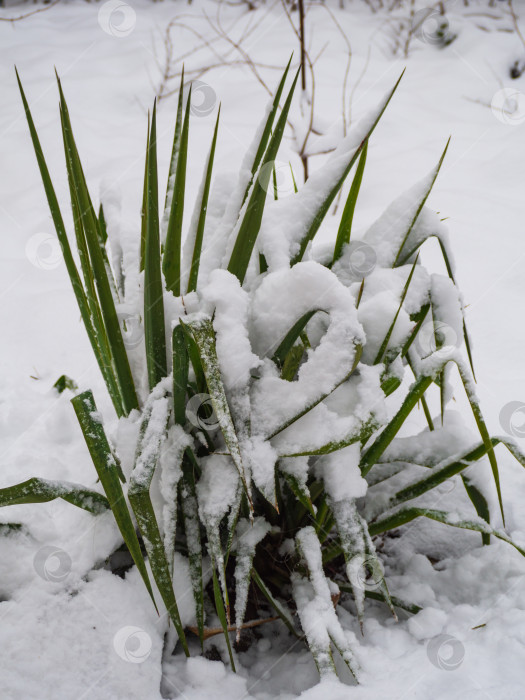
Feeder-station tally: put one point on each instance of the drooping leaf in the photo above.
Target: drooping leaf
(43, 490)
(110, 474)
(151, 435)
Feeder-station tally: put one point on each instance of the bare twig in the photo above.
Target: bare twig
(29, 14)
(212, 631)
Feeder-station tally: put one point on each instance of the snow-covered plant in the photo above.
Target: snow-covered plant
(269, 388)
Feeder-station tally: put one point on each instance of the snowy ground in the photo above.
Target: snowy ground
(73, 632)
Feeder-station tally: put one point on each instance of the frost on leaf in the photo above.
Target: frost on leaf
(316, 609)
(280, 301)
(248, 536)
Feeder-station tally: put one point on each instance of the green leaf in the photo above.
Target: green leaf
(345, 227)
(251, 223)
(289, 340)
(219, 606)
(64, 382)
(42, 490)
(440, 474)
(190, 515)
(180, 374)
(71, 268)
(322, 397)
(144, 207)
(175, 149)
(267, 130)
(110, 474)
(171, 261)
(412, 608)
(421, 205)
(406, 515)
(300, 492)
(384, 345)
(98, 264)
(153, 288)
(203, 206)
(279, 609)
(374, 452)
(151, 435)
(479, 502)
(202, 333)
(320, 213)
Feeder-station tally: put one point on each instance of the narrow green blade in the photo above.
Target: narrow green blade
(72, 271)
(174, 150)
(203, 206)
(180, 374)
(406, 515)
(374, 452)
(110, 475)
(42, 490)
(289, 340)
(171, 262)
(189, 508)
(421, 204)
(320, 213)
(154, 332)
(100, 269)
(152, 432)
(279, 609)
(345, 227)
(384, 345)
(267, 130)
(251, 222)
(144, 206)
(202, 333)
(221, 612)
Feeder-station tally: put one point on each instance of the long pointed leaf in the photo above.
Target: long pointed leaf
(171, 261)
(110, 474)
(345, 227)
(42, 490)
(322, 210)
(152, 433)
(203, 206)
(153, 288)
(251, 222)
